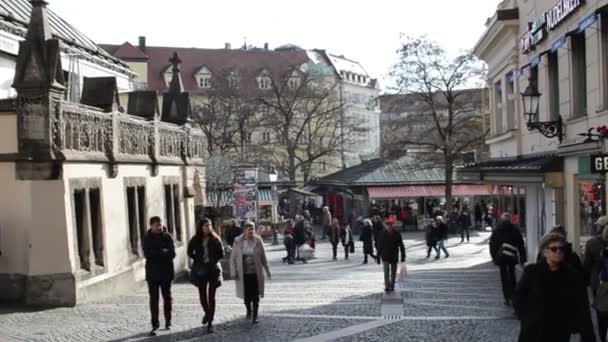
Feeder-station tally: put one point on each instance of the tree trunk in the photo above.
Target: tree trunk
(449, 174)
(292, 179)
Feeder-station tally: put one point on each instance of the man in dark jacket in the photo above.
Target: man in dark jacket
(442, 237)
(390, 244)
(507, 249)
(378, 227)
(159, 251)
(367, 237)
(593, 265)
(464, 223)
(232, 233)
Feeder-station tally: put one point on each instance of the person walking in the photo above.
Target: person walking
(233, 231)
(464, 223)
(346, 235)
(248, 264)
(390, 246)
(159, 252)
(442, 237)
(367, 236)
(551, 299)
(206, 250)
(378, 228)
(290, 247)
(478, 215)
(299, 236)
(432, 236)
(507, 250)
(334, 236)
(594, 266)
(570, 257)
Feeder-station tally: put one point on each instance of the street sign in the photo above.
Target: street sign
(599, 163)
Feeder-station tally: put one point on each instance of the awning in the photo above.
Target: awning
(224, 201)
(303, 192)
(415, 191)
(264, 197)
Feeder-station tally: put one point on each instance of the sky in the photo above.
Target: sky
(366, 31)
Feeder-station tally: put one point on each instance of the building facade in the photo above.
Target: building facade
(82, 178)
(561, 47)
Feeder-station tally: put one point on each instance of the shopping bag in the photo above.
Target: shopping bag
(306, 252)
(402, 274)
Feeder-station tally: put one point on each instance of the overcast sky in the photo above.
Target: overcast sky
(367, 31)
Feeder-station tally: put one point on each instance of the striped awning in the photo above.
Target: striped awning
(415, 191)
(264, 197)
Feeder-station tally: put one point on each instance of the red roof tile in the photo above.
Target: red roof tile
(127, 52)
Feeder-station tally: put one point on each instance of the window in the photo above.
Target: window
(510, 112)
(498, 107)
(579, 75)
(553, 70)
(323, 166)
(592, 205)
(266, 137)
(205, 82)
(534, 78)
(293, 83)
(233, 80)
(247, 137)
(172, 210)
(136, 215)
(264, 82)
(86, 203)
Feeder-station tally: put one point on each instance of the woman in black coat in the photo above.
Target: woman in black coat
(367, 237)
(206, 249)
(551, 299)
(432, 236)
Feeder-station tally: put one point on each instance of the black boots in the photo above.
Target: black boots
(254, 318)
(209, 327)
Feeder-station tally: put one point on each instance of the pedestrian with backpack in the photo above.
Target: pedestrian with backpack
(594, 265)
(507, 250)
(550, 299)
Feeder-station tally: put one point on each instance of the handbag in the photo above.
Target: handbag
(198, 273)
(402, 274)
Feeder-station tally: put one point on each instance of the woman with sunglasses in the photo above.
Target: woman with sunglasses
(206, 249)
(550, 300)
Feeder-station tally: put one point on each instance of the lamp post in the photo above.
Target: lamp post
(273, 176)
(531, 101)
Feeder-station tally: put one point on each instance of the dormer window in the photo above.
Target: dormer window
(204, 82)
(293, 83)
(233, 81)
(266, 137)
(264, 82)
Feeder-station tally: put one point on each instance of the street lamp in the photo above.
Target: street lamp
(273, 176)
(531, 101)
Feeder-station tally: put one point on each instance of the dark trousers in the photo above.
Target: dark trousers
(428, 250)
(390, 273)
(602, 325)
(463, 231)
(507, 277)
(346, 250)
(334, 248)
(365, 256)
(206, 294)
(153, 291)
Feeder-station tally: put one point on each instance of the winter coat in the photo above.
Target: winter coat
(326, 218)
(464, 220)
(390, 245)
(367, 235)
(346, 236)
(232, 233)
(378, 228)
(506, 232)
(334, 234)
(211, 269)
(159, 252)
(236, 265)
(432, 235)
(592, 264)
(299, 235)
(542, 317)
(442, 231)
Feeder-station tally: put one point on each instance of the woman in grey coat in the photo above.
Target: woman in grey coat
(247, 265)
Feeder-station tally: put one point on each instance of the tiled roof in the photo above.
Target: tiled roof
(126, 51)
(15, 16)
(403, 170)
(524, 163)
(248, 62)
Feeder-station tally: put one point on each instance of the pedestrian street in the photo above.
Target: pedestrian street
(453, 299)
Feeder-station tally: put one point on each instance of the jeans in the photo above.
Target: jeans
(153, 291)
(464, 230)
(441, 247)
(206, 294)
(334, 248)
(507, 278)
(390, 273)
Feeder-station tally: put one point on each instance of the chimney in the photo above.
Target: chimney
(266, 46)
(142, 43)
(227, 46)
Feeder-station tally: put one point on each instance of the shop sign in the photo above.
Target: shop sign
(599, 163)
(548, 21)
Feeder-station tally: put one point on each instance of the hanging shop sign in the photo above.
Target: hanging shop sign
(548, 21)
(599, 163)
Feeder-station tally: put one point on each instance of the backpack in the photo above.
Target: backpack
(600, 302)
(508, 254)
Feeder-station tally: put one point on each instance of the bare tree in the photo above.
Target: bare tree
(446, 118)
(219, 182)
(305, 114)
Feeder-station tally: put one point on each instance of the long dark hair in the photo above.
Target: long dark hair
(201, 233)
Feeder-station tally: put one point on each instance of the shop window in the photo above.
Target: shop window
(592, 204)
(579, 75)
(553, 70)
(172, 211)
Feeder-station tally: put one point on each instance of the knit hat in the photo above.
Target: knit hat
(391, 220)
(549, 238)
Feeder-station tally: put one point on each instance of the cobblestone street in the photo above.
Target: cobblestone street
(453, 299)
